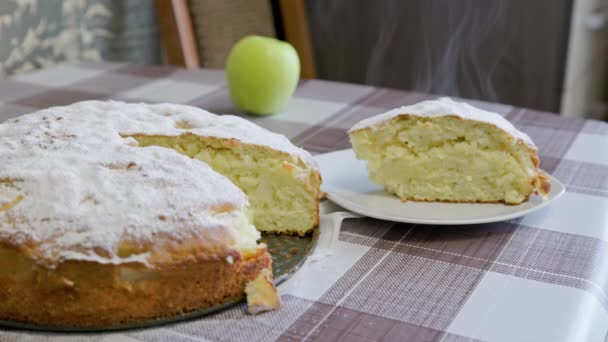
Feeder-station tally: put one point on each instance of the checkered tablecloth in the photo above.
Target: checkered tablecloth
(543, 277)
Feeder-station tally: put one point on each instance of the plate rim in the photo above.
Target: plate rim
(359, 209)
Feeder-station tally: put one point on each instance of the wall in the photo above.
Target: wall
(509, 51)
(586, 83)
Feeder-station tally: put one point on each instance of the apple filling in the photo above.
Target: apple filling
(282, 190)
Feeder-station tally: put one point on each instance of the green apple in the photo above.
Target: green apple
(262, 74)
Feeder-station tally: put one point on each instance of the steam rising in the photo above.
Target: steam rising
(463, 63)
(434, 46)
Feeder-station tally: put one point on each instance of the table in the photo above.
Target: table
(540, 278)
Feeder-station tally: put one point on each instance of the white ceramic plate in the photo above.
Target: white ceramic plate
(346, 183)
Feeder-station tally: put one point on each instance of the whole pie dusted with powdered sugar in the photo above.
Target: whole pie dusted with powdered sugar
(113, 213)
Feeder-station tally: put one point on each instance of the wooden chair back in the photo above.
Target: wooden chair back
(200, 34)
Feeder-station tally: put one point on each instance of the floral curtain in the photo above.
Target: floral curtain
(38, 33)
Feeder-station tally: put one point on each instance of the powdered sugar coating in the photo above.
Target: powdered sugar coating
(173, 120)
(444, 107)
(81, 188)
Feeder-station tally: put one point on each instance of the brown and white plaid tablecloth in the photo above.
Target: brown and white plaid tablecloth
(543, 277)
